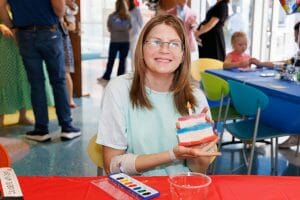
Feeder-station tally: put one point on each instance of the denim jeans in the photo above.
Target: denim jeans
(114, 47)
(36, 47)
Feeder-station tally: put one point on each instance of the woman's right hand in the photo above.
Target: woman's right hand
(6, 31)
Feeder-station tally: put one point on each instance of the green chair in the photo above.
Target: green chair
(250, 101)
(216, 89)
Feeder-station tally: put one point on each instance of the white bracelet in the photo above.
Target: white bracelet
(172, 155)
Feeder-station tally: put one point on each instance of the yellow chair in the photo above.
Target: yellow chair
(95, 153)
(201, 64)
(4, 157)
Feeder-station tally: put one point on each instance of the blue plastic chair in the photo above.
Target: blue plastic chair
(250, 101)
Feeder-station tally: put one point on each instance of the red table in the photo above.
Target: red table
(222, 187)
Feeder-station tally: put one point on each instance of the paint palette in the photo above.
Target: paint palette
(134, 186)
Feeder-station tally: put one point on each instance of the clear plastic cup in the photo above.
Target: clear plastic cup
(189, 186)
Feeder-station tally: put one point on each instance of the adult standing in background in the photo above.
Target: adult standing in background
(210, 36)
(136, 25)
(189, 18)
(14, 86)
(39, 40)
(118, 24)
(14, 89)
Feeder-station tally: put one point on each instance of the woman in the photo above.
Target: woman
(14, 94)
(139, 111)
(14, 86)
(118, 25)
(211, 42)
(136, 25)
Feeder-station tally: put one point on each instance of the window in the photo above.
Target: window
(95, 38)
(273, 39)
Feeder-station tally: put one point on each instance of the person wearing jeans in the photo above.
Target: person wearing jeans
(40, 39)
(114, 48)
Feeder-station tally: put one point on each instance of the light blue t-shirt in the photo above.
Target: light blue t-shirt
(140, 130)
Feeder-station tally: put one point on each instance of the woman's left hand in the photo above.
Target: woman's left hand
(182, 152)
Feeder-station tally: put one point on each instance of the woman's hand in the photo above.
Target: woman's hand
(201, 163)
(203, 150)
(6, 31)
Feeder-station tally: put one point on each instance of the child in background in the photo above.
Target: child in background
(238, 58)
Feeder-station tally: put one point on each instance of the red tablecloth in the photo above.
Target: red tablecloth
(222, 187)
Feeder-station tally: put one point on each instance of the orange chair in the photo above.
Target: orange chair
(4, 157)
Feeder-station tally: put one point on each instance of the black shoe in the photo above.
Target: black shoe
(38, 135)
(70, 133)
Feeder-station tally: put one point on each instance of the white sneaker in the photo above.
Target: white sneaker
(70, 133)
(291, 141)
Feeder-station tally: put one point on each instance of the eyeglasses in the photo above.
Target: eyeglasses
(172, 46)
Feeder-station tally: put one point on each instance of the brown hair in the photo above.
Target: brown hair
(236, 35)
(181, 86)
(122, 9)
(131, 4)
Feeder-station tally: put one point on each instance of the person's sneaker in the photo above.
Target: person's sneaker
(291, 141)
(70, 133)
(38, 135)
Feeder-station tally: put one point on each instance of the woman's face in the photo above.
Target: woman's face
(162, 50)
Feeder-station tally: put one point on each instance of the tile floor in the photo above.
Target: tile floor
(69, 158)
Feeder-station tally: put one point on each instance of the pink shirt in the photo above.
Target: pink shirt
(236, 57)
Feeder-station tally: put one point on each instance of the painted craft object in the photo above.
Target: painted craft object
(194, 129)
